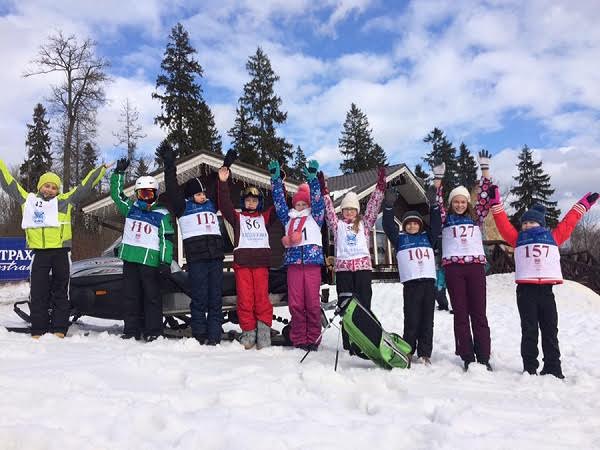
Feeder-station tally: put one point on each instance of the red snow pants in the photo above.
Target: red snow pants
(252, 286)
(304, 300)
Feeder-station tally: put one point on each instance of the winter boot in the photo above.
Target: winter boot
(59, 335)
(263, 335)
(248, 339)
(424, 360)
(135, 336)
(556, 371)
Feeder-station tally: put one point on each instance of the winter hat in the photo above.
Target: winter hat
(49, 177)
(303, 195)
(193, 186)
(537, 213)
(350, 200)
(412, 216)
(460, 190)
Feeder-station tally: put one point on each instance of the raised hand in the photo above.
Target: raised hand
(589, 199)
(323, 183)
(167, 154)
(390, 198)
(494, 195)
(483, 158)
(381, 183)
(310, 172)
(439, 169)
(122, 165)
(223, 173)
(230, 158)
(274, 170)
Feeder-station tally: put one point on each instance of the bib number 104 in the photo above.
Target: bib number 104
(537, 250)
(418, 254)
(463, 231)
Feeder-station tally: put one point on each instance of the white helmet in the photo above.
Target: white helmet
(146, 182)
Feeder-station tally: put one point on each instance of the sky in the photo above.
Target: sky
(495, 74)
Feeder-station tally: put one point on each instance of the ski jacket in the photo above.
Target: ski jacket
(304, 254)
(368, 222)
(245, 257)
(61, 235)
(482, 209)
(197, 248)
(557, 236)
(401, 241)
(146, 232)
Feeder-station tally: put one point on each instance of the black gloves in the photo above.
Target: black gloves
(122, 165)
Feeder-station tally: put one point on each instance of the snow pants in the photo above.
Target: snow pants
(304, 283)
(206, 278)
(466, 286)
(537, 308)
(359, 283)
(419, 303)
(50, 294)
(252, 287)
(142, 300)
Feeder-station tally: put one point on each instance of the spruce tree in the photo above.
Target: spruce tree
(377, 156)
(467, 167)
(39, 158)
(157, 158)
(356, 141)
(442, 149)
(185, 115)
(533, 186)
(254, 133)
(141, 168)
(298, 163)
(420, 173)
(89, 160)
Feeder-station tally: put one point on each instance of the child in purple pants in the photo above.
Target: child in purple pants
(304, 253)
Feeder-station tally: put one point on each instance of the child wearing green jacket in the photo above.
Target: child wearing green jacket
(144, 247)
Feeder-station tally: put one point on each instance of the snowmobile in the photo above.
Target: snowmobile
(96, 290)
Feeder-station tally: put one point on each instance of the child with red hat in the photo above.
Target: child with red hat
(304, 253)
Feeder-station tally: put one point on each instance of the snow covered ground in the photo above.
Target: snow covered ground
(99, 392)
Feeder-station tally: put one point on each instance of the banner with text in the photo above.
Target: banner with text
(15, 259)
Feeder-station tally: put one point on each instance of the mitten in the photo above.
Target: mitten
(122, 165)
(494, 195)
(167, 155)
(588, 200)
(381, 179)
(310, 172)
(390, 198)
(439, 169)
(323, 183)
(274, 170)
(230, 158)
(484, 158)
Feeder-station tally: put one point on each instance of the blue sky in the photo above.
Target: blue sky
(494, 74)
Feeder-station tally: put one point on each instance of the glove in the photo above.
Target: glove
(431, 195)
(323, 183)
(122, 165)
(588, 200)
(381, 183)
(167, 155)
(274, 170)
(484, 159)
(310, 172)
(390, 198)
(230, 158)
(494, 195)
(439, 169)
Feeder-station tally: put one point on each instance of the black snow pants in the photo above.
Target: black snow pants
(359, 283)
(419, 303)
(143, 302)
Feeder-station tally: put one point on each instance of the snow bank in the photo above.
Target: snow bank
(96, 391)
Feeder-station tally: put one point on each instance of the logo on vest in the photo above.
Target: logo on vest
(38, 217)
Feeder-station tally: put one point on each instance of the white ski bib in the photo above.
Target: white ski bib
(311, 231)
(141, 234)
(350, 245)
(462, 240)
(535, 261)
(253, 232)
(415, 263)
(39, 213)
(199, 224)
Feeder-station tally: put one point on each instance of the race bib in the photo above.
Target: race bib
(415, 263)
(537, 261)
(351, 245)
(140, 233)
(199, 224)
(311, 232)
(39, 213)
(253, 232)
(462, 240)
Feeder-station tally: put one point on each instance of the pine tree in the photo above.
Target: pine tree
(185, 115)
(377, 156)
(356, 141)
(254, 134)
(467, 167)
(157, 158)
(89, 159)
(298, 163)
(442, 149)
(420, 173)
(533, 186)
(142, 167)
(39, 158)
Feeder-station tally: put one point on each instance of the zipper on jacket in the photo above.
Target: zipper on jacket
(43, 238)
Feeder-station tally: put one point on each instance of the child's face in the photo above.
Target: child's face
(251, 203)
(300, 206)
(412, 227)
(459, 204)
(49, 190)
(200, 197)
(529, 224)
(349, 214)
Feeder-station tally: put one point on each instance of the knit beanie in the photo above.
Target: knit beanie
(303, 195)
(49, 177)
(412, 216)
(350, 200)
(193, 186)
(460, 190)
(537, 213)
